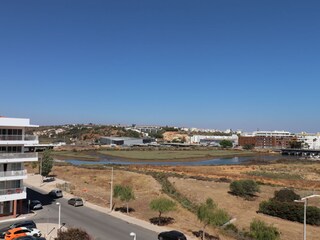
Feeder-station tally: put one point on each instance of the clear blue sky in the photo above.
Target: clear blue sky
(210, 63)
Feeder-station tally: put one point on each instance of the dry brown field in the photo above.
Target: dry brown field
(93, 185)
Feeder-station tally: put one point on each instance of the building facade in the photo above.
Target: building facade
(12, 158)
(267, 139)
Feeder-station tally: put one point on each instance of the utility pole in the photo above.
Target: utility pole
(111, 188)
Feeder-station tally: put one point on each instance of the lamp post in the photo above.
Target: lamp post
(59, 217)
(305, 201)
(132, 234)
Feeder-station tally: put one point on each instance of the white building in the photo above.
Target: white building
(12, 158)
(213, 140)
(309, 141)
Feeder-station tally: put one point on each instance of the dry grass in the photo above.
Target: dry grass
(93, 185)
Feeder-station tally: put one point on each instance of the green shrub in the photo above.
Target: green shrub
(244, 188)
(259, 230)
(290, 211)
(285, 195)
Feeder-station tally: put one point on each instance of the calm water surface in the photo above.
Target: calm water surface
(214, 161)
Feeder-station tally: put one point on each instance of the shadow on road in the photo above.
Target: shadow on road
(45, 199)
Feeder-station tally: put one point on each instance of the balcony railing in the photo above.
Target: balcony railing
(18, 155)
(18, 137)
(10, 191)
(15, 173)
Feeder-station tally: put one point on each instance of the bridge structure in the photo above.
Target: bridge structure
(300, 152)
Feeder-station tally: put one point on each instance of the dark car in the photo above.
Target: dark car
(76, 202)
(56, 193)
(30, 238)
(171, 235)
(35, 205)
(28, 224)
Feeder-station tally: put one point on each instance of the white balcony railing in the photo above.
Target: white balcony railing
(18, 155)
(10, 191)
(18, 137)
(15, 173)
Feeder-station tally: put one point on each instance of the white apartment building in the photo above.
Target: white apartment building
(12, 158)
(309, 141)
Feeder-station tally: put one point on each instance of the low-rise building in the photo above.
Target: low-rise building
(125, 141)
(213, 140)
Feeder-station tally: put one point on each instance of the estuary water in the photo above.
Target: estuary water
(214, 161)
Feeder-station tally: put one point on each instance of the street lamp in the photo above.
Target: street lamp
(59, 205)
(132, 234)
(305, 201)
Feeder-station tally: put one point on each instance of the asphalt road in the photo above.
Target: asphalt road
(99, 225)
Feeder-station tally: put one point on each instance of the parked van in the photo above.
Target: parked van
(56, 193)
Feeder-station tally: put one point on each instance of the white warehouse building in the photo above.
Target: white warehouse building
(213, 140)
(12, 158)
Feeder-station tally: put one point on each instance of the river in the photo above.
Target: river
(214, 161)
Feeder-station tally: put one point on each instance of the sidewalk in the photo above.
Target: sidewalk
(35, 182)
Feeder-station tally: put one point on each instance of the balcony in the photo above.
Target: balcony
(19, 139)
(13, 175)
(18, 157)
(13, 194)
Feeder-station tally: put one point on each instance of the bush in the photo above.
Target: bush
(290, 211)
(244, 188)
(285, 195)
(259, 230)
(248, 146)
(226, 144)
(73, 234)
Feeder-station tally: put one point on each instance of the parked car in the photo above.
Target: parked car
(56, 193)
(21, 232)
(76, 202)
(35, 205)
(28, 224)
(171, 235)
(30, 238)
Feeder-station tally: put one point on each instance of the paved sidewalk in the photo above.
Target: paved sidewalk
(35, 182)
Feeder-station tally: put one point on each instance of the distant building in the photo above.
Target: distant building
(309, 141)
(12, 156)
(124, 141)
(267, 139)
(213, 140)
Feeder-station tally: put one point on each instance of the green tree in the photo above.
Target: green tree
(73, 234)
(124, 193)
(295, 144)
(46, 163)
(244, 188)
(226, 144)
(209, 214)
(162, 205)
(259, 230)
